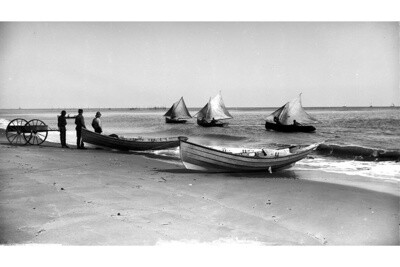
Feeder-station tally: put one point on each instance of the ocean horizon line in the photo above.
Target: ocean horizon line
(195, 108)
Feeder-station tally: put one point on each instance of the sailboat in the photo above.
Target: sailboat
(178, 113)
(213, 112)
(290, 118)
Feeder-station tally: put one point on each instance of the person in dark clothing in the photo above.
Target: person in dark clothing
(80, 123)
(96, 123)
(62, 122)
(276, 120)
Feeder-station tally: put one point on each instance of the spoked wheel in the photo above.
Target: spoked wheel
(15, 132)
(38, 131)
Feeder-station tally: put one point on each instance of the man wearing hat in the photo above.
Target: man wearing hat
(96, 123)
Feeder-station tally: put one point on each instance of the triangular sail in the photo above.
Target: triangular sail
(178, 110)
(276, 113)
(203, 112)
(215, 109)
(291, 111)
(169, 112)
(181, 111)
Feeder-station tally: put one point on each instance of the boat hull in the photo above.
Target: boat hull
(125, 144)
(169, 120)
(209, 124)
(289, 128)
(201, 158)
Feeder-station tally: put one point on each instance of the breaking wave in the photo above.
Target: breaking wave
(358, 152)
(373, 169)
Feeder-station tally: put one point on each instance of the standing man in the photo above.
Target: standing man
(62, 122)
(80, 123)
(96, 123)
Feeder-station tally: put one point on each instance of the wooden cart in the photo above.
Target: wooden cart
(22, 132)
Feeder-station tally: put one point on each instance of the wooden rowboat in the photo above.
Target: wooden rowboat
(201, 158)
(138, 144)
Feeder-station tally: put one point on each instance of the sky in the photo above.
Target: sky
(153, 64)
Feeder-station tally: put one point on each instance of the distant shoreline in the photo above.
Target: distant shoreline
(198, 108)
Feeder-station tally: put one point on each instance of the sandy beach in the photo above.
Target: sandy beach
(50, 195)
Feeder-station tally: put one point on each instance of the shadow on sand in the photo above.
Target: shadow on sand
(286, 174)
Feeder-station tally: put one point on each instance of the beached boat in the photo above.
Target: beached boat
(122, 143)
(178, 113)
(202, 158)
(213, 112)
(290, 118)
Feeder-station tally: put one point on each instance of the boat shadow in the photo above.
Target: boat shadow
(284, 174)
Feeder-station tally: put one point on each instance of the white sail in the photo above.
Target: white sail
(178, 110)
(291, 111)
(214, 109)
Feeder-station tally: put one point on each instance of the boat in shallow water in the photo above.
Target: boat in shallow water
(202, 158)
(204, 123)
(212, 114)
(138, 144)
(291, 117)
(178, 113)
(174, 120)
(289, 128)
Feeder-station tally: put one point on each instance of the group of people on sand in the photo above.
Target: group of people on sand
(80, 123)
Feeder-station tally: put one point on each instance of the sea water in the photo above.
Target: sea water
(355, 141)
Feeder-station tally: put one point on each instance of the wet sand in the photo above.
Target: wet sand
(50, 195)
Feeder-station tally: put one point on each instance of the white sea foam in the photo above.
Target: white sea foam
(4, 123)
(172, 152)
(54, 137)
(386, 170)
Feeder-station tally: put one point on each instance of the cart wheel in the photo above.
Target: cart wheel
(15, 132)
(38, 132)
